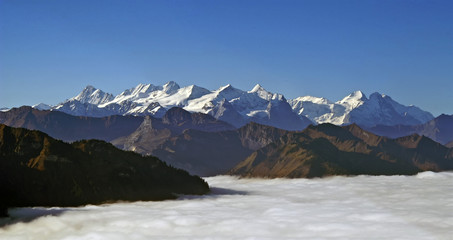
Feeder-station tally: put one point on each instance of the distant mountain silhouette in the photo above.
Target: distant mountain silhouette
(439, 129)
(37, 170)
(66, 127)
(212, 153)
(154, 131)
(72, 128)
(326, 150)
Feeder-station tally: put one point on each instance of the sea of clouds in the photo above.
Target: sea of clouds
(362, 207)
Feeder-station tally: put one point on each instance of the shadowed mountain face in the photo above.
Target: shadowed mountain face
(70, 128)
(140, 134)
(326, 150)
(37, 170)
(439, 129)
(212, 153)
(154, 131)
(205, 146)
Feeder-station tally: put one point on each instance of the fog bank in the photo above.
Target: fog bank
(362, 207)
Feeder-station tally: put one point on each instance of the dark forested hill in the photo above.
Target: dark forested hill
(37, 170)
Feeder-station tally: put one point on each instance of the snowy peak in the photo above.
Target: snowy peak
(142, 90)
(85, 94)
(379, 109)
(238, 107)
(263, 93)
(191, 92)
(228, 88)
(170, 87)
(354, 99)
(93, 95)
(257, 88)
(356, 95)
(229, 92)
(411, 111)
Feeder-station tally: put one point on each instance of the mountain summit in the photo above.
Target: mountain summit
(92, 95)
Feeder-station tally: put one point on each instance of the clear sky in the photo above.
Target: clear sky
(50, 50)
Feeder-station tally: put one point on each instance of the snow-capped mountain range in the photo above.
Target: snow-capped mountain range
(378, 109)
(238, 107)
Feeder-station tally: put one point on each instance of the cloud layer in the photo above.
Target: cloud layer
(363, 207)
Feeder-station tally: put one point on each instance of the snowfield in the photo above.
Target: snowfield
(362, 207)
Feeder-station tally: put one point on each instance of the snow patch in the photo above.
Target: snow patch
(41, 106)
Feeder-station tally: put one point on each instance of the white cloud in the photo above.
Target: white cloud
(363, 207)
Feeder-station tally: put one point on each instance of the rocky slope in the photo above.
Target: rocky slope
(326, 150)
(152, 132)
(37, 170)
(212, 153)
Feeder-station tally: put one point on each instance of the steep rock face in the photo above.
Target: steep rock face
(326, 150)
(211, 153)
(280, 115)
(145, 138)
(154, 132)
(439, 129)
(182, 119)
(37, 170)
(225, 111)
(203, 153)
(254, 136)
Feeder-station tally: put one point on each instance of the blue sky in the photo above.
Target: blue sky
(50, 50)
